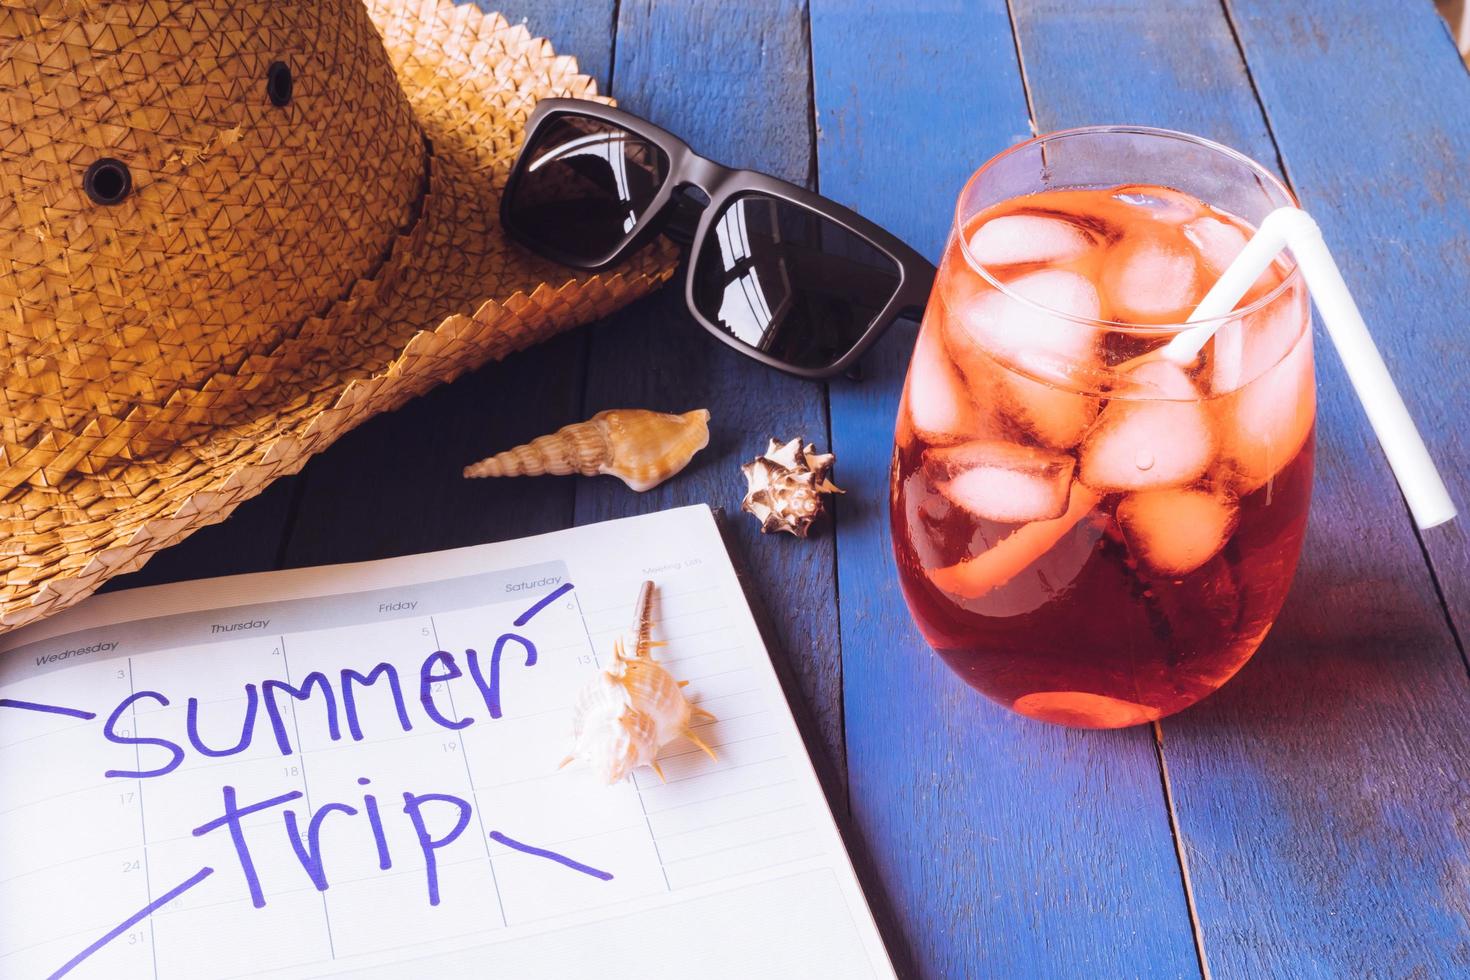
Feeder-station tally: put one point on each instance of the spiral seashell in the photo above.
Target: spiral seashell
(785, 486)
(629, 711)
(639, 447)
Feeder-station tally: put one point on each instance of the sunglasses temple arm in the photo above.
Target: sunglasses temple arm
(918, 283)
(913, 297)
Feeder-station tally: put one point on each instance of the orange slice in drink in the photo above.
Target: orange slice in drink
(1083, 710)
(1011, 555)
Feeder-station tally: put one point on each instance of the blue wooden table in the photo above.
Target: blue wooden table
(1310, 820)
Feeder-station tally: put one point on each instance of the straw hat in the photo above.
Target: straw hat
(229, 232)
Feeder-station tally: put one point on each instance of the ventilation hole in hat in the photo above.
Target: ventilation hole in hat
(278, 83)
(107, 181)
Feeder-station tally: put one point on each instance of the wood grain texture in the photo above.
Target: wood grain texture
(733, 82)
(1395, 207)
(1169, 64)
(1320, 794)
(1007, 847)
(394, 485)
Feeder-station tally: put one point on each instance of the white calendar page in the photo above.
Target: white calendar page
(352, 770)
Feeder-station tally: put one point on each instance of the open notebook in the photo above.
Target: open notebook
(222, 778)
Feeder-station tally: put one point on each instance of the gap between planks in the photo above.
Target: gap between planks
(1180, 852)
(1250, 77)
(814, 181)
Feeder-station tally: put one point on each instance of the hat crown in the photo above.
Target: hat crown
(183, 186)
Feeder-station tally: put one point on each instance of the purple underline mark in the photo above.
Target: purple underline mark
(50, 709)
(586, 869)
(134, 919)
(542, 603)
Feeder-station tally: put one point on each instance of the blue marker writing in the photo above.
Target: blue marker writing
(231, 818)
(375, 820)
(412, 805)
(428, 678)
(349, 700)
(309, 850)
(109, 732)
(134, 919)
(542, 852)
(247, 728)
(542, 603)
(315, 680)
(490, 689)
(50, 709)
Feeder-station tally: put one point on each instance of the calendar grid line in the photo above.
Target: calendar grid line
(741, 846)
(306, 787)
(767, 867)
(562, 841)
(666, 595)
(667, 661)
(464, 755)
(687, 614)
(652, 837)
(714, 772)
(663, 626)
(578, 838)
(535, 920)
(733, 741)
(74, 860)
(244, 903)
(734, 820)
(723, 796)
(51, 734)
(143, 826)
(47, 799)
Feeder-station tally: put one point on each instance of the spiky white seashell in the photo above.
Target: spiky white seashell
(630, 710)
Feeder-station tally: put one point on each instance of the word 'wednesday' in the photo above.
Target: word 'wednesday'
(338, 703)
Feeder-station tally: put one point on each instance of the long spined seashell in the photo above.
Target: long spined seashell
(632, 708)
(639, 447)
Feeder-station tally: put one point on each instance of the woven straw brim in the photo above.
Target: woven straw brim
(451, 295)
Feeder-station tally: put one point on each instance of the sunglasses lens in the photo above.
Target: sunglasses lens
(790, 282)
(584, 185)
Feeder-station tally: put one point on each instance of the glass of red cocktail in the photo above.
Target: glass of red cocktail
(1086, 531)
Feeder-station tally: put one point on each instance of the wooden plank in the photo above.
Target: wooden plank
(1392, 202)
(1008, 847)
(583, 29)
(393, 485)
(1320, 794)
(1134, 61)
(733, 82)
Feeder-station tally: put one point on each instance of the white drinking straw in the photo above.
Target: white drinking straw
(1293, 228)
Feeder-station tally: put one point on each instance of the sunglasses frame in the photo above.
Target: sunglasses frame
(721, 185)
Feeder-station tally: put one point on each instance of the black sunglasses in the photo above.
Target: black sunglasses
(784, 275)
